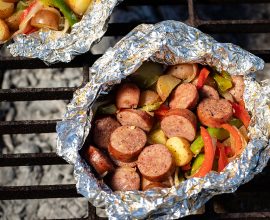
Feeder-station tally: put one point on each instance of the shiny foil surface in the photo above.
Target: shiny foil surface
(168, 42)
(54, 46)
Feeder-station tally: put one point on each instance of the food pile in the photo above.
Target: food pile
(28, 16)
(163, 125)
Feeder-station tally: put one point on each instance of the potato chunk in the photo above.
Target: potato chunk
(157, 136)
(165, 85)
(6, 9)
(180, 149)
(4, 31)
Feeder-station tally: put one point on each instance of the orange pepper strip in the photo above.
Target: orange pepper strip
(202, 77)
(209, 154)
(237, 148)
(241, 113)
(222, 160)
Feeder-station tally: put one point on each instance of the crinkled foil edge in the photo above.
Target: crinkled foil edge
(168, 42)
(53, 46)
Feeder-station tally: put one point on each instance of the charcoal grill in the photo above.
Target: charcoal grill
(250, 201)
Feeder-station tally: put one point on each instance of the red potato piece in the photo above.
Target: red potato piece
(208, 92)
(185, 96)
(101, 163)
(237, 90)
(120, 163)
(214, 113)
(126, 143)
(127, 96)
(103, 129)
(148, 97)
(125, 179)
(179, 123)
(156, 163)
(136, 118)
(185, 71)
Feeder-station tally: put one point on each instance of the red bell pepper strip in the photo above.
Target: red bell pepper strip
(161, 112)
(237, 144)
(209, 154)
(27, 10)
(241, 113)
(202, 77)
(186, 167)
(222, 160)
(228, 151)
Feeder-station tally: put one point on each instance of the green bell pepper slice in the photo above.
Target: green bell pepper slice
(236, 122)
(107, 109)
(197, 163)
(63, 7)
(218, 133)
(223, 83)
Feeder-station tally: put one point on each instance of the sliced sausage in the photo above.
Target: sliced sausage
(101, 163)
(148, 97)
(154, 185)
(136, 118)
(127, 96)
(120, 163)
(208, 92)
(103, 129)
(156, 163)
(185, 96)
(238, 88)
(147, 184)
(126, 143)
(124, 179)
(179, 123)
(185, 71)
(214, 113)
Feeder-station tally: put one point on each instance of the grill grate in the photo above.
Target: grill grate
(251, 201)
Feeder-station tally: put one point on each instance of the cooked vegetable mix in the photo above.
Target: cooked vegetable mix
(27, 16)
(164, 125)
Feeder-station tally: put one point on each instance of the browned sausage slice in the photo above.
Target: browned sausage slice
(237, 90)
(179, 123)
(127, 96)
(185, 71)
(103, 129)
(147, 184)
(124, 179)
(185, 96)
(156, 163)
(136, 118)
(208, 92)
(120, 163)
(126, 143)
(154, 185)
(101, 163)
(214, 113)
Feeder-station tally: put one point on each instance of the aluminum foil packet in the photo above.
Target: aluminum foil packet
(54, 46)
(168, 42)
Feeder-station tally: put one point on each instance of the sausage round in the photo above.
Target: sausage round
(136, 118)
(185, 71)
(156, 163)
(179, 123)
(120, 163)
(148, 97)
(127, 96)
(101, 163)
(214, 113)
(238, 88)
(126, 143)
(103, 129)
(208, 92)
(147, 184)
(124, 179)
(154, 185)
(185, 96)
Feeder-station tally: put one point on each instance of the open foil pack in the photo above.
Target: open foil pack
(54, 46)
(169, 43)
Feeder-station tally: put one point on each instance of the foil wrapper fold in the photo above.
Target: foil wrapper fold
(168, 42)
(54, 46)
